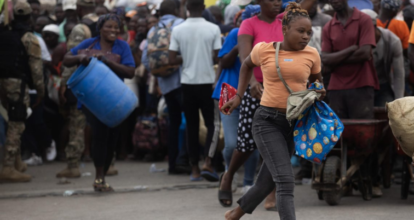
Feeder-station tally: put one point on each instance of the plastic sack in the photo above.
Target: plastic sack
(317, 130)
(401, 116)
(227, 93)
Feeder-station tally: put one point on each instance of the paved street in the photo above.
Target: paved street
(144, 195)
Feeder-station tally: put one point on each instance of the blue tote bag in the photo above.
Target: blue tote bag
(317, 130)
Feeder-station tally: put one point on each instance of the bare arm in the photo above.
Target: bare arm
(335, 58)
(246, 73)
(120, 69)
(218, 73)
(363, 54)
(174, 59)
(71, 60)
(399, 73)
(229, 59)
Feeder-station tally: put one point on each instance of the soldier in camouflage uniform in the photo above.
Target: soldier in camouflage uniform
(77, 120)
(14, 91)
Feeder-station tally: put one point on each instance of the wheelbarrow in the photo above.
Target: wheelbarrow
(347, 163)
(407, 172)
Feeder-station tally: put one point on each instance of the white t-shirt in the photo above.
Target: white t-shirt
(196, 39)
(43, 48)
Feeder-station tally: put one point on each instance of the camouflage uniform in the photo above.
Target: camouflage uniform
(77, 120)
(11, 87)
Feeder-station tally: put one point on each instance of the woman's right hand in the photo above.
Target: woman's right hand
(83, 59)
(229, 107)
(256, 90)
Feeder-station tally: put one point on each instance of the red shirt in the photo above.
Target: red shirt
(360, 31)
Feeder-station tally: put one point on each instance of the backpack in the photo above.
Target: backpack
(14, 60)
(158, 44)
(145, 137)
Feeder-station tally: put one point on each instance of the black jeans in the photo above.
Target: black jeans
(274, 139)
(195, 98)
(174, 104)
(353, 103)
(36, 136)
(104, 140)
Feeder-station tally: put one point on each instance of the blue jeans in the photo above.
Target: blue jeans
(230, 126)
(274, 139)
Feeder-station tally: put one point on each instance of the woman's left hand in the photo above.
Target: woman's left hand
(323, 94)
(228, 108)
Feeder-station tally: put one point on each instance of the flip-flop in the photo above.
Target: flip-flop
(210, 176)
(224, 195)
(195, 179)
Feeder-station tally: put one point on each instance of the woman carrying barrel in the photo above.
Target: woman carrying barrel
(272, 132)
(118, 57)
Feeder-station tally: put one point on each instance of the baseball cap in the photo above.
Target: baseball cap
(240, 2)
(51, 28)
(22, 8)
(68, 5)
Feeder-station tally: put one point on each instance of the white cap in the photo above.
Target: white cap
(240, 2)
(68, 5)
(51, 28)
(372, 14)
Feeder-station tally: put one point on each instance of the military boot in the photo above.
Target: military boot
(11, 175)
(71, 171)
(19, 164)
(112, 171)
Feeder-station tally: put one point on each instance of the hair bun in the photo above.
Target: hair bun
(293, 6)
(293, 10)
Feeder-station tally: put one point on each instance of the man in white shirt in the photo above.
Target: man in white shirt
(199, 42)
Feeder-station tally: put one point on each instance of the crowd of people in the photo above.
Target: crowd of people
(175, 56)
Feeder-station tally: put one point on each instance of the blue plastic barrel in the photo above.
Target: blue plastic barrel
(102, 92)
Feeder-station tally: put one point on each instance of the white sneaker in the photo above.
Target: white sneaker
(245, 189)
(34, 160)
(51, 151)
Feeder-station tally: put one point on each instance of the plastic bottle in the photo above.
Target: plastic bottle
(153, 169)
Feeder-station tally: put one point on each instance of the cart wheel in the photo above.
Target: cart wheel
(331, 174)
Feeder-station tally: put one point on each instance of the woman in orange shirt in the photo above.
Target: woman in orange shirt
(272, 132)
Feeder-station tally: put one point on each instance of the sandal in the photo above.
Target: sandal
(100, 186)
(224, 195)
(210, 176)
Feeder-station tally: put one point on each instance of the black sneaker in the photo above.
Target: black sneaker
(182, 168)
